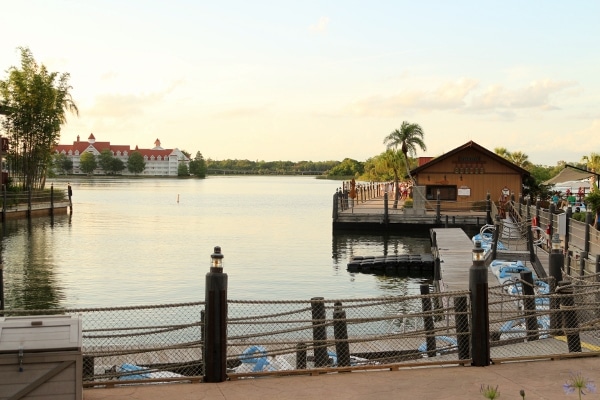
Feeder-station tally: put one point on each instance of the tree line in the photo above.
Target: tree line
(35, 103)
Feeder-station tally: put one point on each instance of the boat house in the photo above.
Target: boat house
(467, 174)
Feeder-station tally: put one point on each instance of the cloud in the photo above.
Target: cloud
(536, 95)
(321, 26)
(462, 96)
(447, 96)
(241, 112)
(123, 106)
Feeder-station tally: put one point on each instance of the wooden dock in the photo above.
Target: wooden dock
(455, 250)
(373, 215)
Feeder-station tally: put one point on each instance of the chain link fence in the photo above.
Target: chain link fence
(527, 319)
(540, 318)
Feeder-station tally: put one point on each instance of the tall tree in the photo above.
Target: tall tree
(409, 137)
(105, 160)
(62, 164)
(392, 160)
(592, 163)
(519, 158)
(135, 163)
(116, 165)
(35, 102)
(516, 157)
(183, 170)
(87, 162)
(502, 152)
(198, 166)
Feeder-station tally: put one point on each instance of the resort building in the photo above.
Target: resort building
(159, 161)
(467, 174)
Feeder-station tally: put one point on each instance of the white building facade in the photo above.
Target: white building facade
(159, 161)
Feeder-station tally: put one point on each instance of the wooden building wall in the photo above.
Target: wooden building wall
(471, 175)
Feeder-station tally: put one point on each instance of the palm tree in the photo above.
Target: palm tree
(408, 138)
(519, 158)
(592, 163)
(391, 160)
(502, 152)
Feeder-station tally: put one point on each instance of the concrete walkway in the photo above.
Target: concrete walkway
(539, 380)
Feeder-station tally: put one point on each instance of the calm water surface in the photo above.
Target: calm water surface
(148, 241)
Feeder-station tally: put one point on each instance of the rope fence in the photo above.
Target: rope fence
(160, 343)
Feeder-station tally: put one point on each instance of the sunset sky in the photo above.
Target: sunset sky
(320, 80)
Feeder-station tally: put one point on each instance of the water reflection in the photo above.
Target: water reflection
(29, 278)
(346, 245)
(129, 242)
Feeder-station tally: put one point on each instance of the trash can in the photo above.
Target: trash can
(40, 357)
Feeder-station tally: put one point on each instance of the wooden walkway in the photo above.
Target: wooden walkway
(455, 250)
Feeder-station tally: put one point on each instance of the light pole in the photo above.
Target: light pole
(215, 328)
(480, 319)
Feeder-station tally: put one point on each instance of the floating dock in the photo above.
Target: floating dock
(403, 264)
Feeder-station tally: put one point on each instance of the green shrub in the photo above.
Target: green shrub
(408, 203)
(579, 216)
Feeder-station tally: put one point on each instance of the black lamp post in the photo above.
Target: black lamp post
(215, 328)
(556, 261)
(480, 319)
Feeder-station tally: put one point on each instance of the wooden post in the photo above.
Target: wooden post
(582, 257)
(386, 217)
(335, 206)
(438, 209)
(589, 220)
(428, 321)
(52, 199)
(3, 203)
(550, 229)
(301, 356)
(529, 305)
(569, 315)
(567, 226)
(340, 332)
(488, 209)
(319, 332)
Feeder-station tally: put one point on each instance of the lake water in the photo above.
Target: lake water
(149, 241)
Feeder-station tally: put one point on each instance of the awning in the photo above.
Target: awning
(570, 173)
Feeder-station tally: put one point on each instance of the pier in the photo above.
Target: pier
(455, 252)
(376, 209)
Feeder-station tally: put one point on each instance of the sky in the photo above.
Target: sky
(320, 80)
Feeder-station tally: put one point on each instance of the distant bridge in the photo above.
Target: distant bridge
(213, 171)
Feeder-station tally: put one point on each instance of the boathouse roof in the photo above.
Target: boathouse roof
(471, 145)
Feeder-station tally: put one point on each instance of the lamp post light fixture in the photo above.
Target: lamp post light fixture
(477, 252)
(216, 260)
(556, 245)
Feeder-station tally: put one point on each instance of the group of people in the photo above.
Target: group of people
(569, 198)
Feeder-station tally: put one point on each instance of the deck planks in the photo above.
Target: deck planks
(455, 250)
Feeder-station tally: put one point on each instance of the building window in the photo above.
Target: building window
(447, 192)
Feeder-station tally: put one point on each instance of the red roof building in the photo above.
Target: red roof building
(159, 161)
